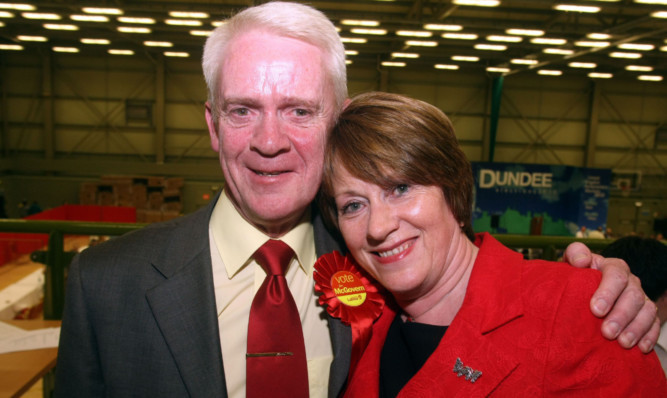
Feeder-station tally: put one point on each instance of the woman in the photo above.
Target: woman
(472, 317)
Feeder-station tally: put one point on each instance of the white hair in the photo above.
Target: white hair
(285, 19)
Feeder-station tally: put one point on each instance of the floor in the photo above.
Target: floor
(9, 276)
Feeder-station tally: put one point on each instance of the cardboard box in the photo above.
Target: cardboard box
(154, 181)
(88, 193)
(174, 183)
(169, 215)
(148, 216)
(155, 198)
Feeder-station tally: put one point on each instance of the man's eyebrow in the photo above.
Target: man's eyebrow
(299, 102)
(239, 100)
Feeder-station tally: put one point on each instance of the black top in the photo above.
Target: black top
(406, 349)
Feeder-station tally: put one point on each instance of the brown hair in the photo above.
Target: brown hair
(389, 139)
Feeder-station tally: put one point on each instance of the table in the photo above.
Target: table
(20, 370)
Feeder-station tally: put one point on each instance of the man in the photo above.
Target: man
(596, 234)
(164, 311)
(647, 259)
(581, 233)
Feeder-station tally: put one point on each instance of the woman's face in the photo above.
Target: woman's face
(402, 236)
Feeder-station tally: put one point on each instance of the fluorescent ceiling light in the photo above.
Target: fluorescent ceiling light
(218, 23)
(421, 43)
(183, 22)
(659, 2)
(576, 8)
(663, 48)
(414, 33)
(549, 72)
(348, 62)
(11, 47)
(41, 15)
(446, 66)
(151, 43)
(459, 36)
(89, 18)
(365, 31)
(451, 28)
(585, 65)
(188, 14)
(18, 7)
(65, 49)
(405, 55)
(359, 22)
(636, 46)
(650, 78)
(596, 44)
(598, 36)
(115, 51)
(506, 39)
(490, 47)
(523, 61)
(548, 41)
(138, 20)
(353, 40)
(600, 75)
(621, 54)
(102, 10)
(180, 54)
(95, 41)
(525, 32)
(464, 58)
(351, 52)
(56, 26)
(32, 38)
(6, 14)
(133, 29)
(497, 69)
(478, 3)
(639, 68)
(659, 14)
(559, 51)
(201, 32)
(391, 63)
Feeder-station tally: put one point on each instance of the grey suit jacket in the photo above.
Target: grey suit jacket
(140, 317)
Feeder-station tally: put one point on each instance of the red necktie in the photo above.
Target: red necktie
(276, 357)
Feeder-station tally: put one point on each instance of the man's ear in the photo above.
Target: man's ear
(212, 128)
(346, 103)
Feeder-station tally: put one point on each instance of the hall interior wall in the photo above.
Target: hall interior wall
(67, 118)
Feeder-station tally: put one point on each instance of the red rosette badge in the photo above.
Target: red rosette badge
(349, 295)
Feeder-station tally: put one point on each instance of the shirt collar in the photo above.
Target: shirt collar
(237, 239)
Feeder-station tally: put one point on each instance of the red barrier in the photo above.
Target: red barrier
(14, 245)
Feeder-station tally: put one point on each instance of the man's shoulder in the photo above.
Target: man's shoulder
(151, 240)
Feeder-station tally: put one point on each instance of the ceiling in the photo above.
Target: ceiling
(625, 21)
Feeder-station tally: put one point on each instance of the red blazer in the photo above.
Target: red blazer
(527, 327)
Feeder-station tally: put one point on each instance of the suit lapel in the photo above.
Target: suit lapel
(184, 306)
(481, 355)
(493, 300)
(341, 335)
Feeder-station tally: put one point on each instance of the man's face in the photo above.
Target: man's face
(276, 105)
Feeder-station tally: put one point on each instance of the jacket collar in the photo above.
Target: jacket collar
(183, 304)
(500, 284)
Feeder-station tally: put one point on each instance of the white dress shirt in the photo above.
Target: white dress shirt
(237, 277)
